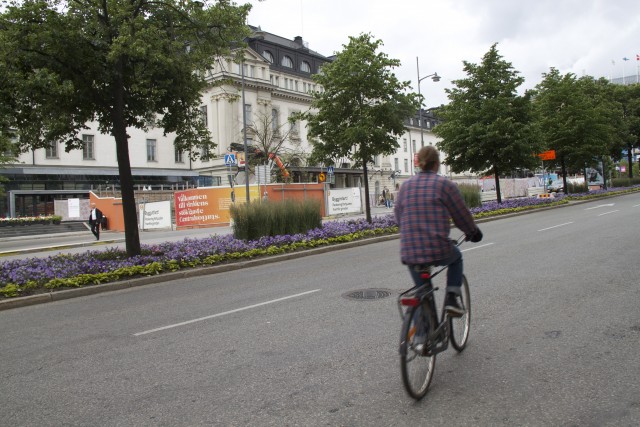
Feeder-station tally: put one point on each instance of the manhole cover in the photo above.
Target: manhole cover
(367, 294)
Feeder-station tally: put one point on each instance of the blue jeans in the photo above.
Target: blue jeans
(454, 272)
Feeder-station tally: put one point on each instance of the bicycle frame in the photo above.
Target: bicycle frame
(424, 295)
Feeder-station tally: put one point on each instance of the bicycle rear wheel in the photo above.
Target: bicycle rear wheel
(459, 326)
(417, 369)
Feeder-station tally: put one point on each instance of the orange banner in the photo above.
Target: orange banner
(205, 207)
(548, 155)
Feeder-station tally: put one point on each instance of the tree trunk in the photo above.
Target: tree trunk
(630, 159)
(563, 166)
(366, 192)
(131, 235)
(496, 176)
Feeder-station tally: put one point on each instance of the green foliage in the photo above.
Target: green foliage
(487, 127)
(471, 195)
(578, 118)
(625, 182)
(123, 64)
(362, 108)
(573, 188)
(275, 218)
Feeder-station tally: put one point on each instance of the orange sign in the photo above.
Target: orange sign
(208, 206)
(548, 155)
(322, 177)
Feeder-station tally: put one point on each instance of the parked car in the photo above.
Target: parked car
(556, 186)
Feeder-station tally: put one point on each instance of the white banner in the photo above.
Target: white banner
(343, 201)
(156, 215)
(74, 208)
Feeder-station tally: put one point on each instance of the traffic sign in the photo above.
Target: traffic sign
(230, 159)
(330, 170)
(322, 177)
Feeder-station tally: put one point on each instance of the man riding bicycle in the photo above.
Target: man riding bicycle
(424, 205)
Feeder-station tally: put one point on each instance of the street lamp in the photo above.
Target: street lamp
(436, 78)
(244, 132)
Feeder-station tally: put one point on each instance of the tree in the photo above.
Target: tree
(487, 127)
(628, 98)
(362, 107)
(577, 119)
(134, 63)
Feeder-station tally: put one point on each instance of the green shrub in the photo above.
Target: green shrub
(255, 220)
(471, 195)
(625, 182)
(573, 188)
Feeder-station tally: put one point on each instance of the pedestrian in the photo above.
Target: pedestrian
(95, 219)
(386, 194)
(424, 205)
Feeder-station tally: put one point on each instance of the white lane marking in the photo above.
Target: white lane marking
(556, 226)
(476, 247)
(635, 206)
(607, 213)
(200, 319)
(600, 206)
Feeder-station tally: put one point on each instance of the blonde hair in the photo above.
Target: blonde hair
(428, 158)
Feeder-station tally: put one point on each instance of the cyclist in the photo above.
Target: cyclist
(424, 205)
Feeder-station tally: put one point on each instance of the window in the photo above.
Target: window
(396, 164)
(252, 71)
(295, 125)
(87, 147)
(274, 120)
(404, 145)
(406, 165)
(52, 150)
(247, 112)
(376, 161)
(305, 67)
(287, 62)
(203, 114)
(296, 86)
(204, 154)
(267, 55)
(179, 155)
(151, 150)
(413, 143)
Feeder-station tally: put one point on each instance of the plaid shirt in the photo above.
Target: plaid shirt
(423, 207)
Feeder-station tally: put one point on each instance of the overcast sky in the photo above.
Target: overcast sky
(577, 36)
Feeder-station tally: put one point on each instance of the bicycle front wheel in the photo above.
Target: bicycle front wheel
(459, 326)
(417, 368)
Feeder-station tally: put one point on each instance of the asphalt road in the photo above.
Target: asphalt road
(554, 341)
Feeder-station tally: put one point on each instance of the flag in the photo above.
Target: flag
(625, 59)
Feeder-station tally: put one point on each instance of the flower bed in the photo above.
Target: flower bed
(33, 275)
(31, 220)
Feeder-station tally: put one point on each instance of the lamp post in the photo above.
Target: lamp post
(244, 134)
(436, 78)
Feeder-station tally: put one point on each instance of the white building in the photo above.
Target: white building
(277, 83)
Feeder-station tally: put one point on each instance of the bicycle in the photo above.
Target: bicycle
(424, 335)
